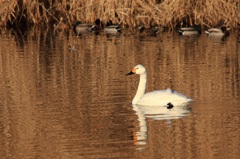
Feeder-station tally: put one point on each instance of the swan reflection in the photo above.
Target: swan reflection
(155, 113)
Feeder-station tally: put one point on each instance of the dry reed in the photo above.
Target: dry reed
(130, 13)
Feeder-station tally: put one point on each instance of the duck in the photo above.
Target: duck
(112, 29)
(97, 27)
(217, 32)
(82, 28)
(152, 31)
(168, 98)
(189, 31)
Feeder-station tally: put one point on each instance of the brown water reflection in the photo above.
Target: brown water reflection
(68, 97)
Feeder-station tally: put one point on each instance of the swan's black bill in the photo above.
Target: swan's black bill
(130, 73)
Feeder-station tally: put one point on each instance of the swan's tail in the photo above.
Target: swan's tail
(188, 100)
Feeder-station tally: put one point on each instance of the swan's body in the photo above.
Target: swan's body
(158, 97)
(162, 98)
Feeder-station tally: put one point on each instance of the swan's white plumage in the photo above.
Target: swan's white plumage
(163, 97)
(157, 97)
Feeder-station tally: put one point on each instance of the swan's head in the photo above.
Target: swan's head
(138, 69)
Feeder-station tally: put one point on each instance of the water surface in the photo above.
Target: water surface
(64, 96)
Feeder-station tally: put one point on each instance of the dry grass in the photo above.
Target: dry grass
(131, 13)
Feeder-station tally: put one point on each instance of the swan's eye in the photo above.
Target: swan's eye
(137, 68)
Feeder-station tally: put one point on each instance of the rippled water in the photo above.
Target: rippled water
(64, 96)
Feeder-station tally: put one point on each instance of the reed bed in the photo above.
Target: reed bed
(129, 13)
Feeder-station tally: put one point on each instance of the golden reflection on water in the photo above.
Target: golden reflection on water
(68, 97)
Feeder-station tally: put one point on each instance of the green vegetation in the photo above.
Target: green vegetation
(130, 13)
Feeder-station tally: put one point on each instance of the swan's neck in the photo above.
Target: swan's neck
(141, 88)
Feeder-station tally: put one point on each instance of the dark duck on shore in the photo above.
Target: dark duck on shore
(112, 29)
(97, 27)
(152, 31)
(217, 32)
(189, 31)
(82, 28)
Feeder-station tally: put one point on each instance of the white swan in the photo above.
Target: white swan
(158, 97)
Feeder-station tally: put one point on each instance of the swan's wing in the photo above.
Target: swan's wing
(176, 93)
(163, 97)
